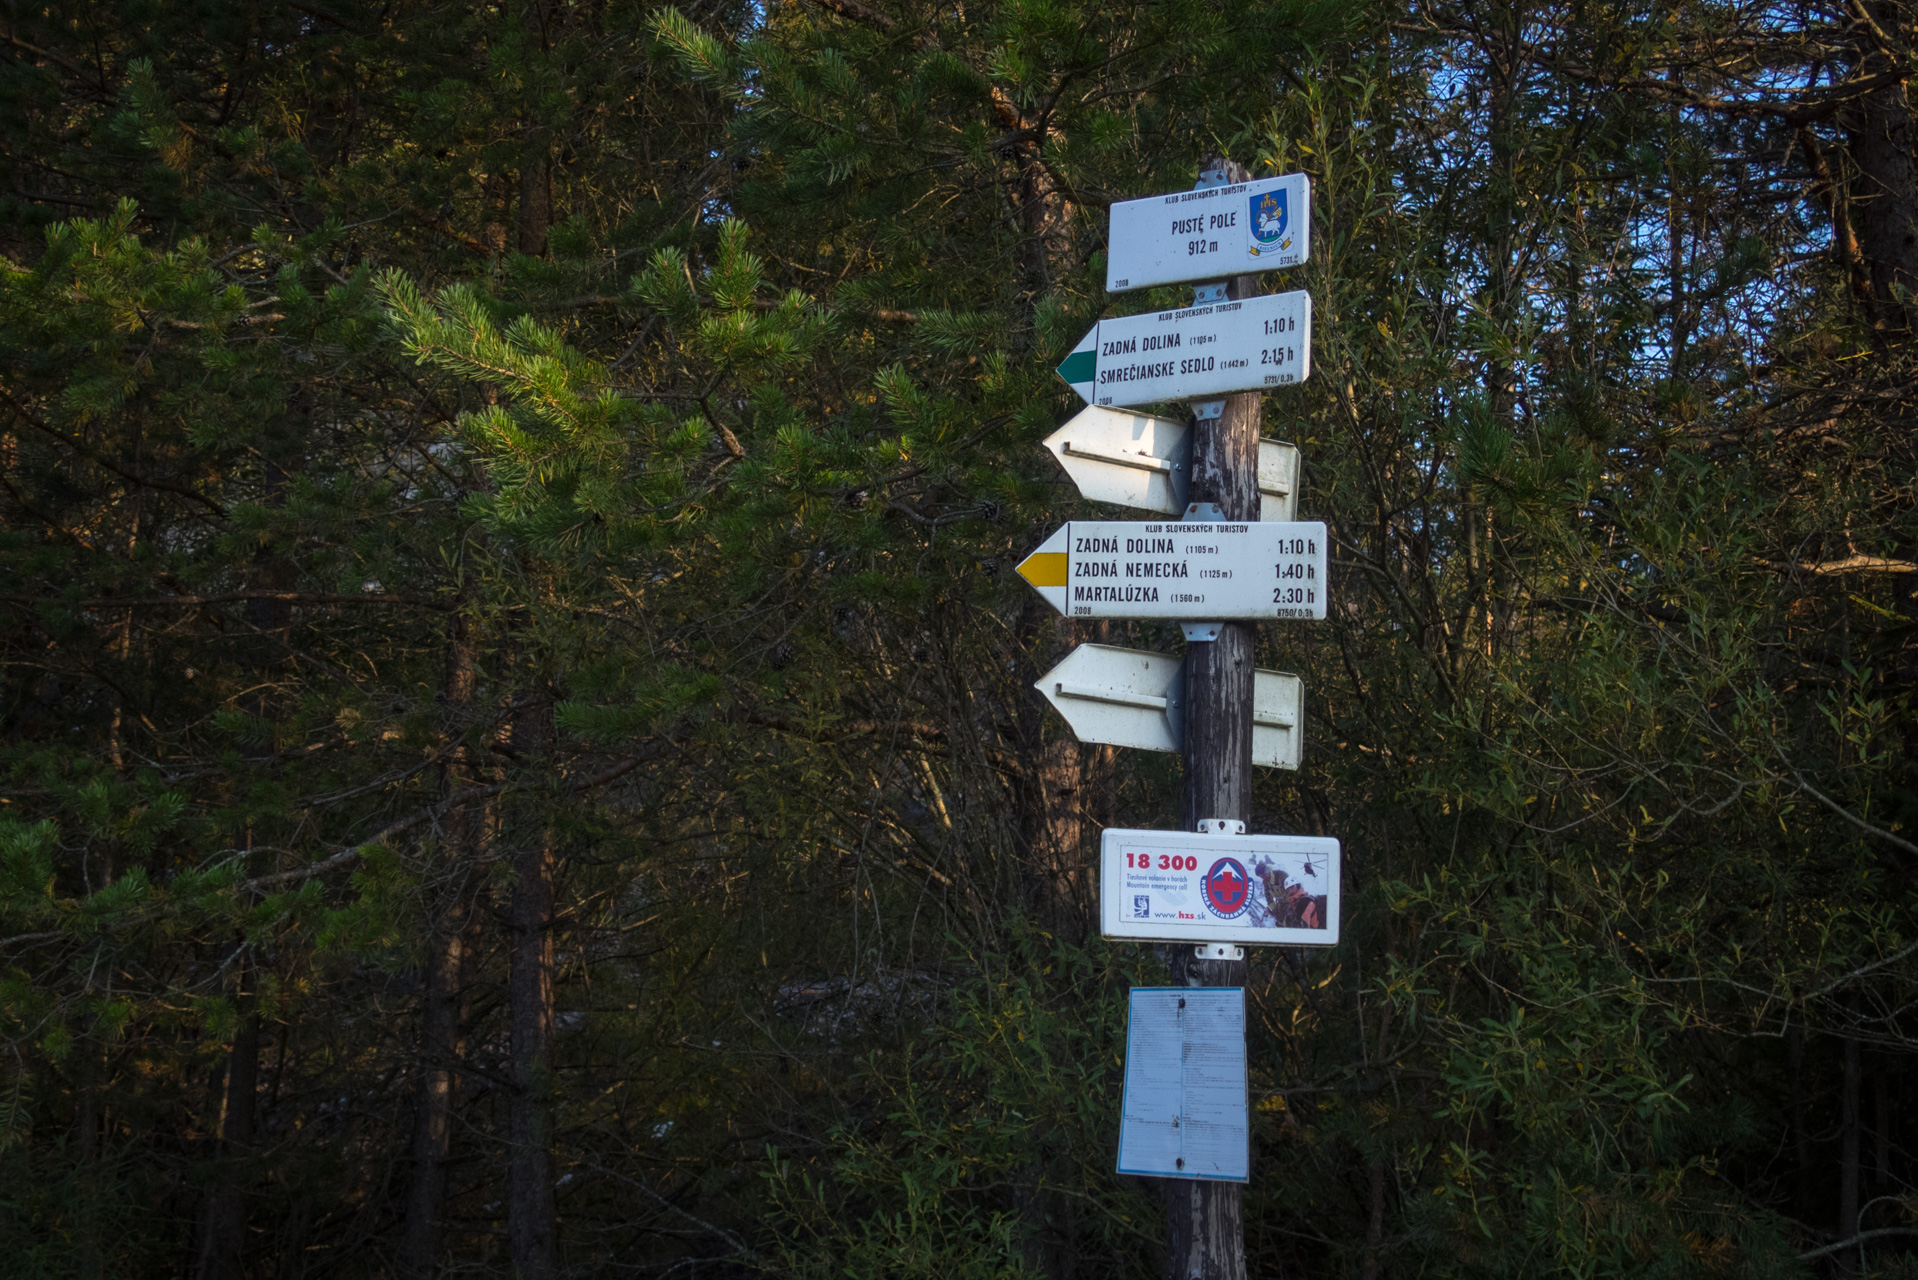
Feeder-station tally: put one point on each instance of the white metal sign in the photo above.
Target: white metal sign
(1278, 481)
(1184, 1113)
(1182, 886)
(1130, 698)
(1210, 233)
(1132, 459)
(1185, 569)
(1138, 460)
(1194, 352)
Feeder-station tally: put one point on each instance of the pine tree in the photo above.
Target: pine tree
(518, 746)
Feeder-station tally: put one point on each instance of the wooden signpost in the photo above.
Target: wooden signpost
(1205, 1224)
(1217, 570)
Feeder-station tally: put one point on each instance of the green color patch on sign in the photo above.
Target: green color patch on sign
(1080, 366)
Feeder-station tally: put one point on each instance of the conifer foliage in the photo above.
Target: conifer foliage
(517, 754)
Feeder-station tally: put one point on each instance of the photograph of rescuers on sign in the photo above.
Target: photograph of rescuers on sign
(1284, 898)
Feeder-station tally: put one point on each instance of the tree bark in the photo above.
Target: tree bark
(1049, 794)
(433, 1107)
(224, 1224)
(536, 163)
(440, 1044)
(1375, 1223)
(1881, 1097)
(1846, 1262)
(1885, 191)
(532, 1209)
(535, 200)
(223, 1235)
(89, 1250)
(1050, 816)
(1800, 1118)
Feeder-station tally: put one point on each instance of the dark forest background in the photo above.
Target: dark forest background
(517, 736)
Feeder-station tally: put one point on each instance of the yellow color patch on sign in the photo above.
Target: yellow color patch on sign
(1044, 568)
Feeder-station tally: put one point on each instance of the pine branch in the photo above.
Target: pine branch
(33, 420)
(346, 857)
(856, 12)
(1850, 564)
(235, 597)
(1874, 1234)
(75, 68)
(433, 222)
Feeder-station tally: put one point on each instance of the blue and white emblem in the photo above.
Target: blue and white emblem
(1141, 906)
(1227, 889)
(1269, 221)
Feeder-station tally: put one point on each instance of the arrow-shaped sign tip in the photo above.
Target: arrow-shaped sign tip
(1079, 366)
(1044, 568)
(1080, 369)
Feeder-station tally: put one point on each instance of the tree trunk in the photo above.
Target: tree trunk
(1800, 1117)
(440, 1045)
(224, 1225)
(433, 1107)
(536, 161)
(1375, 1223)
(90, 1255)
(1051, 826)
(535, 200)
(1884, 194)
(532, 1210)
(1881, 1096)
(1846, 1262)
(223, 1234)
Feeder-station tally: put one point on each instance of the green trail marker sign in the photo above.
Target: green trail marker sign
(1206, 350)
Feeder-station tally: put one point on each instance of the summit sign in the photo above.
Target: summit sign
(1209, 233)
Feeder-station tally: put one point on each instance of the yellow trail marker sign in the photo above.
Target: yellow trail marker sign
(1182, 570)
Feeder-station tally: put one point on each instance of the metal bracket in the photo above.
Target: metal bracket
(1200, 632)
(1210, 291)
(1219, 950)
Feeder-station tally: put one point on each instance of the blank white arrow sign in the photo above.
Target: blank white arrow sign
(1131, 698)
(1142, 461)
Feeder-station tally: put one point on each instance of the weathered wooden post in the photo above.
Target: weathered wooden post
(1205, 1226)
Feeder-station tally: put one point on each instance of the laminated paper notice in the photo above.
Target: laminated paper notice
(1184, 1114)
